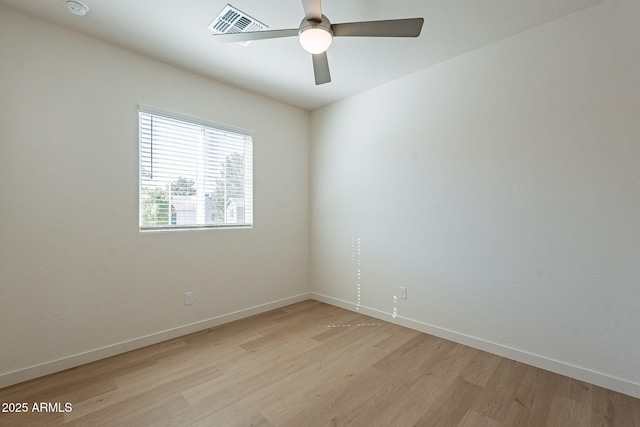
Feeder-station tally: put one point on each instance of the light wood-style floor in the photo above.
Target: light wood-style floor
(312, 364)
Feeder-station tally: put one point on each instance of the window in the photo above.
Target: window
(193, 175)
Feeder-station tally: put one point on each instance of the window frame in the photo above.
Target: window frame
(142, 109)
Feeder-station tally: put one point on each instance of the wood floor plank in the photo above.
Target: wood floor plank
(460, 395)
(475, 419)
(533, 399)
(568, 412)
(496, 400)
(435, 374)
(312, 364)
(347, 404)
(575, 389)
(314, 369)
(481, 367)
(143, 394)
(612, 409)
(140, 410)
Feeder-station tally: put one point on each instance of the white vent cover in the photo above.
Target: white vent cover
(231, 20)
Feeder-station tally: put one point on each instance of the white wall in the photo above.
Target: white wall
(502, 188)
(77, 278)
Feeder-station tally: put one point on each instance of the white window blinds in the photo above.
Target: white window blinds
(193, 175)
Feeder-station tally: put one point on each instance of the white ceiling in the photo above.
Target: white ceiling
(175, 31)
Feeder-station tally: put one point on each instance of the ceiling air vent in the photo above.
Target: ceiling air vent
(231, 20)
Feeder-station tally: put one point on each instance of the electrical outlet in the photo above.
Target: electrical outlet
(402, 292)
(188, 298)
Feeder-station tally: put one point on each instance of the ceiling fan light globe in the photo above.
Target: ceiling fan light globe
(315, 40)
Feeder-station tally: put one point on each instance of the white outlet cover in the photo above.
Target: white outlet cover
(188, 298)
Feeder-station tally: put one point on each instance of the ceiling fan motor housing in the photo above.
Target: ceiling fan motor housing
(315, 35)
(314, 23)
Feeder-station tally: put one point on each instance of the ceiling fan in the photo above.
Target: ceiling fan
(316, 33)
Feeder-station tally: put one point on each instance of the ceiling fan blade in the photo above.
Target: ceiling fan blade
(321, 68)
(312, 9)
(255, 35)
(391, 28)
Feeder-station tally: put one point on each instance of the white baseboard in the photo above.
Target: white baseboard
(556, 366)
(47, 368)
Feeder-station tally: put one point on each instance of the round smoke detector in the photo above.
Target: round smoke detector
(76, 7)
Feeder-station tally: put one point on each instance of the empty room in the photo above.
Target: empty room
(295, 213)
